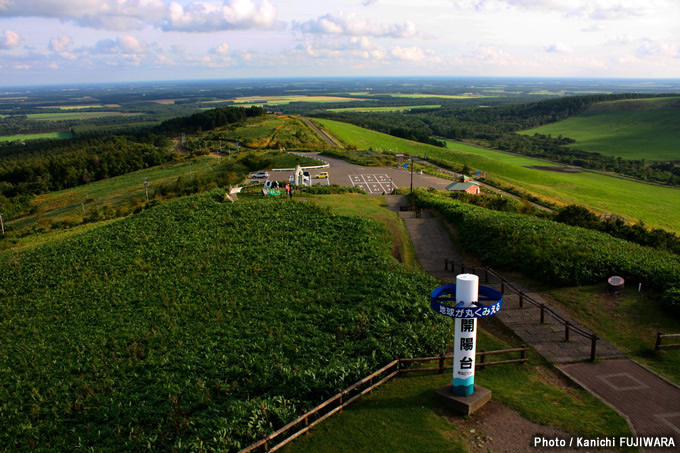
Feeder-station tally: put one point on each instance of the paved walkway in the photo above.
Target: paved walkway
(651, 404)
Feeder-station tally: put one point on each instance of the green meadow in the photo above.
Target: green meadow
(24, 137)
(113, 191)
(632, 129)
(657, 206)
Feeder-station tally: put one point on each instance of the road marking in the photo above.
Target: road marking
(636, 383)
(373, 184)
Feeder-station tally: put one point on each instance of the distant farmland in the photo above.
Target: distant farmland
(13, 138)
(633, 129)
(74, 115)
(384, 109)
(277, 100)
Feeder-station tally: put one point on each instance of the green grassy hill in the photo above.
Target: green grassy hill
(199, 324)
(632, 129)
(657, 206)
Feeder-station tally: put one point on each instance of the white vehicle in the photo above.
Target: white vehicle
(305, 179)
(260, 174)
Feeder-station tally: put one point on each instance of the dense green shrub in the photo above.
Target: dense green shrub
(552, 251)
(199, 324)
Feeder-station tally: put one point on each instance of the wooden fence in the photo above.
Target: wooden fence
(336, 403)
(660, 337)
(488, 273)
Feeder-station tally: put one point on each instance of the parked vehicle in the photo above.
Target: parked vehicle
(322, 175)
(260, 174)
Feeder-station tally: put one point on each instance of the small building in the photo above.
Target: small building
(470, 187)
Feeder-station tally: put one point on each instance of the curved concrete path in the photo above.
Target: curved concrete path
(650, 403)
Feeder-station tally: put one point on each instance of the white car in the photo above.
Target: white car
(260, 174)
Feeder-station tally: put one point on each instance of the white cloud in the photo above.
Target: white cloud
(369, 2)
(232, 15)
(489, 55)
(61, 46)
(558, 48)
(655, 47)
(354, 25)
(9, 40)
(593, 28)
(223, 49)
(198, 16)
(408, 53)
(106, 14)
(593, 9)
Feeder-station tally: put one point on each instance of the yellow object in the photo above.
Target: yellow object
(322, 175)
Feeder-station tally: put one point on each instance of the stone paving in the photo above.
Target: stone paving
(651, 403)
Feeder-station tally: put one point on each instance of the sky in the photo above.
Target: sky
(76, 41)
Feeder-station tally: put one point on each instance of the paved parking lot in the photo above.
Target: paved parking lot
(373, 184)
(374, 180)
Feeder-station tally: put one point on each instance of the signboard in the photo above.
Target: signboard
(465, 309)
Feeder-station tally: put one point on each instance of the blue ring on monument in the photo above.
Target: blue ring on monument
(447, 293)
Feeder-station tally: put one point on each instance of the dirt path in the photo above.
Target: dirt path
(326, 138)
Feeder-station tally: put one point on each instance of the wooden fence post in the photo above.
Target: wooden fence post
(462, 268)
(593, 347)
(523, 353)
(486, 275)
(446, 264)
(659, 336)
(441, 363)
(542, 313)
(566, 331)
(482, 358)
(502, 286)
(521, 299)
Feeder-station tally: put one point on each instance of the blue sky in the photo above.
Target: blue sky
(63, 41)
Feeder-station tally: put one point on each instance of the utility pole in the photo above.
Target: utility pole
(2, 225)
(411, 173)
(146, 188)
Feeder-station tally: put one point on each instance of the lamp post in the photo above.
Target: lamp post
(411, 173)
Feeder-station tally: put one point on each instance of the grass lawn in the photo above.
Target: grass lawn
(630, 320)
(657, 206)
(385, 109)
(374, 208)
(402, 415)
(632, 129)
(12, 138)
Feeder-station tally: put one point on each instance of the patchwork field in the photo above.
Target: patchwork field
(633, 129)
(657, 206)
(13, 138)
(276, 100)
(77, 107)
(384, 109)
(74, 115)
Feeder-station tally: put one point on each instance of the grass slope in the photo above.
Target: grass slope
(196, 325)
(657, 206)
(633, 129)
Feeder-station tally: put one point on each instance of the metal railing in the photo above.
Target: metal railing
(523, 297)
